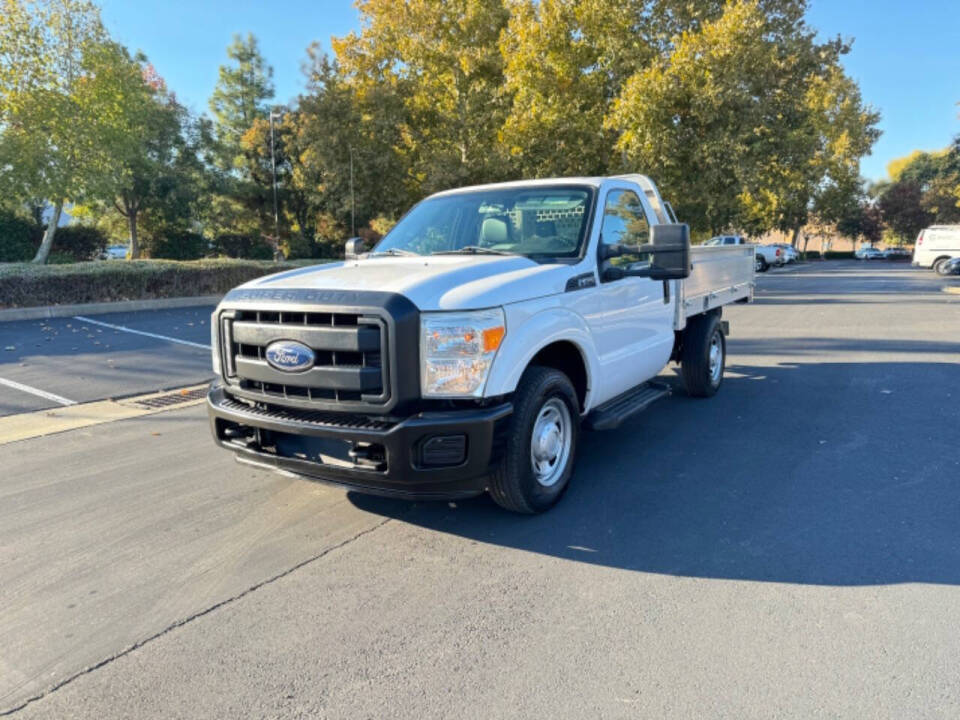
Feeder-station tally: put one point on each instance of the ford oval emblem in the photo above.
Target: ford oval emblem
(290, 356)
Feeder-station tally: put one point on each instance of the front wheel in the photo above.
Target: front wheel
(541, 445)
(704, 356)
(762, 265)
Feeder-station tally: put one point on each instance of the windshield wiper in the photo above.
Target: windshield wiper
(393, 251)
(473, 250)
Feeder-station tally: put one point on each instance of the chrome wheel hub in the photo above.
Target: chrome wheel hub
(550, 442)
(716, 357)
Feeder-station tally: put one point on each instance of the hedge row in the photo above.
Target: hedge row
(26, 285)
(831, 255)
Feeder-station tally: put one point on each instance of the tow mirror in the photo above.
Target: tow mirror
(354, 248)
(670, 245)
(669, 250)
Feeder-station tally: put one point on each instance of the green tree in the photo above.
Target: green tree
(241, 202)
(345, 148)
(242, 95)
(937, 174)
(566, 61)
(441, 59)
(47, 129)
(559, 78)
(140, 140)
(903, 211)
(744, 118)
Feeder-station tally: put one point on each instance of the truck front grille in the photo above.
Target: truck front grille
(350, 366)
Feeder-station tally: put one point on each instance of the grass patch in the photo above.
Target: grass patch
(28, 285)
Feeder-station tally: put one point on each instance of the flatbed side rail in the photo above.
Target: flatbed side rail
(719, 276)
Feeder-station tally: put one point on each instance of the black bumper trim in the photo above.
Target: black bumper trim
(402, 477)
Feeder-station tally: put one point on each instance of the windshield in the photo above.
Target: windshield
(532, 221)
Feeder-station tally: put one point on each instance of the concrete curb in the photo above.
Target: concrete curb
(52, 311)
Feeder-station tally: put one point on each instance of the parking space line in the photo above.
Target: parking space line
(81, 318)
(36, 391)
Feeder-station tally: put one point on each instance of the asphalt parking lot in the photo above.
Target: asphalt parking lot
(55, 362)
(789, 548)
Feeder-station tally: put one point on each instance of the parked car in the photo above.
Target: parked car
(464, 353)
(767, 255)
(935, 245)
(896, 253)
(114, 252)
(790, 253)
(868, 253)
(726, 240)
(950, 267)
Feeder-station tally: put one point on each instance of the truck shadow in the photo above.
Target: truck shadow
(825, 474)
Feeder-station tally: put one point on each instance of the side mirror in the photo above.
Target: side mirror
(354, 248)
(670, 245)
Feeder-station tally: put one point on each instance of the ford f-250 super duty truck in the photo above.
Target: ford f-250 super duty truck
(465, 351)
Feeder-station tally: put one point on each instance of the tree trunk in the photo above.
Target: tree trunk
(44, 250)
(796, 234)
(134, 243)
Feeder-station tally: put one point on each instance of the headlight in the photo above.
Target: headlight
(215, 343)
(457, 350)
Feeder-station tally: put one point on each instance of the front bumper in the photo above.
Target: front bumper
(384, 458)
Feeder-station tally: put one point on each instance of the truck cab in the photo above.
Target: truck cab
(467, 350)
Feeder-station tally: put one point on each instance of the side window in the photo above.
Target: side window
(624, 223)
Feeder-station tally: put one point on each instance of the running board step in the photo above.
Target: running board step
(613, 412)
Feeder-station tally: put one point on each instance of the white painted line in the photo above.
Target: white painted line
(81, 318)
(34, 391)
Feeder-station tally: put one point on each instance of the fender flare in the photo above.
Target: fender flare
(536, 332)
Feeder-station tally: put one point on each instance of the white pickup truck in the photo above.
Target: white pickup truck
(465, 352)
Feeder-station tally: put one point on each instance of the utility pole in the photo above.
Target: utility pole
(276, 210)
(353, 212)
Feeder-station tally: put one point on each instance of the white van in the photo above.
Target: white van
(936, 245)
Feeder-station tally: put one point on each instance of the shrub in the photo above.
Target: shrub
(178, 246)
(58, 257)
(27, 285)
(81, 242)
(297, 247)
(19, 238)
(243, 246)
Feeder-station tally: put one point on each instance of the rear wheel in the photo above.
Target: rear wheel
(538, 459)
(940, 266)
(704, 356)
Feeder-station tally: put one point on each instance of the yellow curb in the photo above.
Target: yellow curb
(48, 422)
(952, 289)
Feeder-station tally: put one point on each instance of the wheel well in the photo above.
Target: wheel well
(680, 335)
(565, 357)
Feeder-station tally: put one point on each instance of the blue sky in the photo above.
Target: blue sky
(906, 55)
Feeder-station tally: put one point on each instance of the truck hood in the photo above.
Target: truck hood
(448, 282)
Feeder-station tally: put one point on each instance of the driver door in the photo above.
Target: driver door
(634, 331)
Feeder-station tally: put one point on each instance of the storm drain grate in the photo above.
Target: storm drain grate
(174, 398)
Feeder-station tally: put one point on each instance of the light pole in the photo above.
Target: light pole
(276, 211)
(353, 214)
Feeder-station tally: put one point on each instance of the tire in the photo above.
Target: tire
(532, 475)
(762, 264)
(704, 356)
(940, 266)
